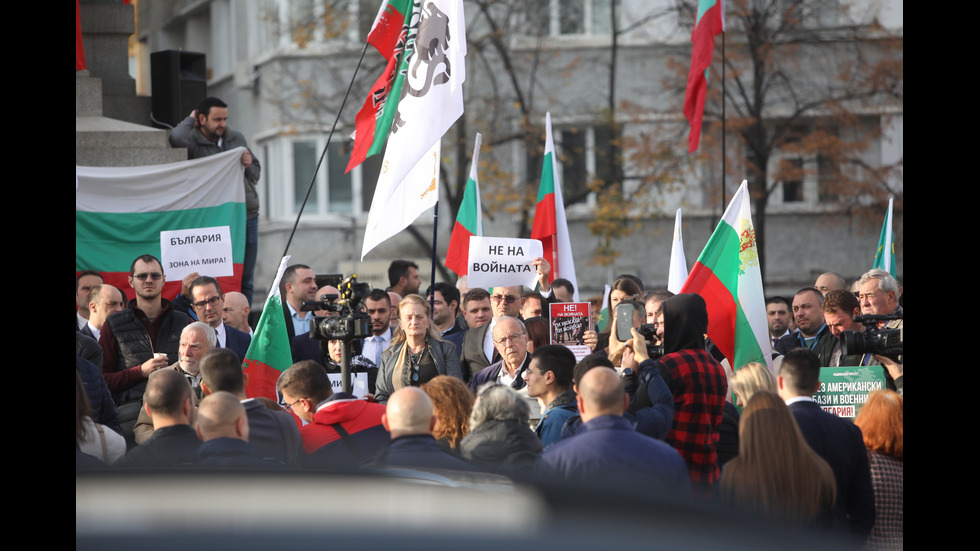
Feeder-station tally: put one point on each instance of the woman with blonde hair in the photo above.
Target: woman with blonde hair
(752, 378)
(881, 420)
(766, 477)
(452, 403)
(417, 354)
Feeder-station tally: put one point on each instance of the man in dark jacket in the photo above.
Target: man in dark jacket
(169, 402)
(607, 450)
(139, 339)
(410, 419)
(838, 441)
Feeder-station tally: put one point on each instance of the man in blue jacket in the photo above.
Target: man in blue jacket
(607, 450)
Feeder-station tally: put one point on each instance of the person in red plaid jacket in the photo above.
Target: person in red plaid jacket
(699, 386)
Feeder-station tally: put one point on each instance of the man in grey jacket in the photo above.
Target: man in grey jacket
(205, 132)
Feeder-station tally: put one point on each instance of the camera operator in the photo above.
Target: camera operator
(839, 307)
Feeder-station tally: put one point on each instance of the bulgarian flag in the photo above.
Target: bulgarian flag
(885, 255)
(268, 355)
(709, 22)
(550, 226)
(728, 277)
(373, 122)
(469, 219)
(120, 212)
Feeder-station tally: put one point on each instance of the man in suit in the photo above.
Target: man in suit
(103, 301)
(84, 282)
(838, 441)
(378, 307)
(478, 349)
(510, 337)
(273, 433)
(208, 303)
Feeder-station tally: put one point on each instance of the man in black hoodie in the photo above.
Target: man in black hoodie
(699, 385)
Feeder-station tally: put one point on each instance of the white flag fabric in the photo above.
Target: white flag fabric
(678, 263)
(431, 101)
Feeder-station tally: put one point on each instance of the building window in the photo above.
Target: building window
(316, 21)
(572, 17)
(291, 166)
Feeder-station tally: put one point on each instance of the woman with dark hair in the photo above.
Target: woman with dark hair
(622, 289)
(452, 403)
(881, 421)
(91, 438)
(537, 332)
(766, 476)
(417, 354)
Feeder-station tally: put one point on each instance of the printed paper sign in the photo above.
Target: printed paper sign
(503, 262)
(569, 322)
(359, 387)
(206, 251)
(843, 390)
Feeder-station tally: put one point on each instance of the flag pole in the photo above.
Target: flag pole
(326, 147)
(435, 232)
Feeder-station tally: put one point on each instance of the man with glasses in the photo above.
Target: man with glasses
(208, 303)
(510, 338)
(139, 339)
(341, 431)
(478, 346)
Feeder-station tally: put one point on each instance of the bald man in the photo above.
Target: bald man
(222, 424)
(410, 419)
(103, 301)
(235, 312)
(607, 450)
(829, 281)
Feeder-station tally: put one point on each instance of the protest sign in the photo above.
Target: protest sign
(569, 322)
(844, 389)
(359, 387)
(503, 261)
(203, 250)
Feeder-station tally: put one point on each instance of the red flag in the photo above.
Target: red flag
(708, 23)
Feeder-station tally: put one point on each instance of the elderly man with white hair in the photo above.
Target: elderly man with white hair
(196, 340)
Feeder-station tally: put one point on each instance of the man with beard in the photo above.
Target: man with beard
(196, 340)
(139, 339)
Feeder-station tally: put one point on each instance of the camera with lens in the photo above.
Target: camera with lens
(649, 332)
(885, 342)
(350, 322)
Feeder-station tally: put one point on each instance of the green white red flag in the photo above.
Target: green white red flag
(373, 122)
(885, 255)
(550, 225)
(728, 277)
(120, 212)
(429, 86)
(469, 218)
(708, 23)
(268, 355)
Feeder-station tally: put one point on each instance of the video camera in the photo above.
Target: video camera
(350, 322)
(649, 332)
(885, 342)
